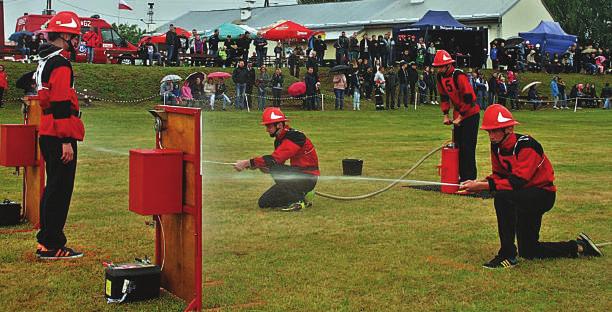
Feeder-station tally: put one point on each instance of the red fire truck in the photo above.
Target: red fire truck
(111, 48)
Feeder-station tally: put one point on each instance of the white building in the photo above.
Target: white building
(502, 18)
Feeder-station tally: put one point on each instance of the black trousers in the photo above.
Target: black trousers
(57, 194)
(276, 93)
(390, 97)
(466, 137)
(309, 101)
(519, 214)
(291, 185)
(1, 97)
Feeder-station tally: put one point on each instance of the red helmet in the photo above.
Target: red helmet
(64, 22)
(272, 115)
(442, 58)
(496, 117)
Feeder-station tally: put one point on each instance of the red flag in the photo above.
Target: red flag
(124, 6)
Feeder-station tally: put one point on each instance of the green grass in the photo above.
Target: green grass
(120, 82)
(405, 250)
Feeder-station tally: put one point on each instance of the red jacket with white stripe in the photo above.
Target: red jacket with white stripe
(293, 145)
(58, 98)
(520, 163)
(456, 88)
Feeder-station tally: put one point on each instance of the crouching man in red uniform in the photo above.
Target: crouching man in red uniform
(294, 188)
(455, 88)
(522, 182)
(60, 129)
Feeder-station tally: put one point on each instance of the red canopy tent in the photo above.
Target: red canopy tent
(156, 39)
(286, 30)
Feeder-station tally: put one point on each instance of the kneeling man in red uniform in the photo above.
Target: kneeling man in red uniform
(294, 188)
(523, 185)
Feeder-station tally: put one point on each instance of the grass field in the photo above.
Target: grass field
(405, 250)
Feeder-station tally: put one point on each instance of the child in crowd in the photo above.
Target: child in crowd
(186, 95)
(422, 90)
(356, 83)
(220, 90)
(379, 92)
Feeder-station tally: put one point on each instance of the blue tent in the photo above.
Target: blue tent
(551, 37)
(440, 20)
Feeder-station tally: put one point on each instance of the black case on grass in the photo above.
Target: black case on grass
(135, 281)
(10, 213)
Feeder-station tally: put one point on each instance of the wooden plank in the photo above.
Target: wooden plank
(34, 176)
(181, 236)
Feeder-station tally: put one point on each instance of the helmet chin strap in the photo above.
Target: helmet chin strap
(69, 43)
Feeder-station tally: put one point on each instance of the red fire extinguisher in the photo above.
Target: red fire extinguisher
(449, 167)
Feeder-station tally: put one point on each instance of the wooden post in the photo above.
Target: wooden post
(34, 176)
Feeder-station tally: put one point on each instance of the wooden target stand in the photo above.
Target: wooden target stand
(34, 176)
(182, 233)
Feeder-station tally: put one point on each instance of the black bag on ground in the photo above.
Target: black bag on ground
(10, 213)
(132, 282)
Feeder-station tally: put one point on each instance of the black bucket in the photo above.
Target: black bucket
(352, 167)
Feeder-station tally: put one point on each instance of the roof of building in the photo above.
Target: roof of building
(353, 13)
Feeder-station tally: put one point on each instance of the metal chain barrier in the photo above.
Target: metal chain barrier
(95, 98)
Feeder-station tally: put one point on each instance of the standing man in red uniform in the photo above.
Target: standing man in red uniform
(522, 182)
(454, 87)
(294, 188)
(60, 129)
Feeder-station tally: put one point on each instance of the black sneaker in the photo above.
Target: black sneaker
(57, 254)
(500, 263)
(588, 246)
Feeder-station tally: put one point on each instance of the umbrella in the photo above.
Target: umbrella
(340, 69)
(589, 50)
(16, 36)
(171, 78)
(286, 30)
(232, 30)
(221, 75)
(498, 40)
(531, 84)
(182, 32)
(513, 41)
(297, 89)
(194, 76)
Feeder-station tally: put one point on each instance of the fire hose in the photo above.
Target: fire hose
(384, 189)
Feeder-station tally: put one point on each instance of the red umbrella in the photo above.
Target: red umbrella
(161, 38)
(297, 89)
(221, 75)
(181, 32)
(286, 30)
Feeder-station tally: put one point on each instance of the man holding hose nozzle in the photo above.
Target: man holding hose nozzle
(522, 183)
(294, 188)
(454, 87)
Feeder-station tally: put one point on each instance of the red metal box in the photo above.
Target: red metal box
(156, 181)
(17, 145)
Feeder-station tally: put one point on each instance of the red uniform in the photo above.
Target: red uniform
(457, 89)
(91, 39)
(3, 80)
(58, 99)
(520, 163)
(293, 145)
